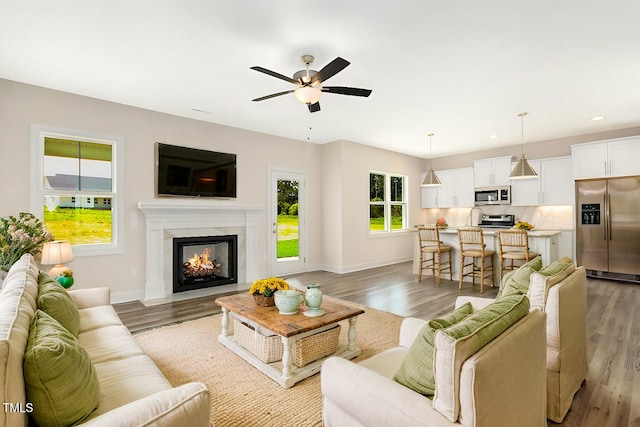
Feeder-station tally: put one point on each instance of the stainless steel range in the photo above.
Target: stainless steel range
(498, 221)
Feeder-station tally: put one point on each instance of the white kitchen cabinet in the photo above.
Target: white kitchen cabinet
(554, 185)
(428, 195)
(456, 190)
(610, 158)
(565, 244)
(493, 171)
(546, 246)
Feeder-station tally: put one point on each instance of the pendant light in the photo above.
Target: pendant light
(431, 180)
(522, 169)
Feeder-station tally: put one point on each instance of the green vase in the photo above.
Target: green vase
(65, 282)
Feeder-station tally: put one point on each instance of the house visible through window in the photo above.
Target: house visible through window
(387, 202)
(77, 190)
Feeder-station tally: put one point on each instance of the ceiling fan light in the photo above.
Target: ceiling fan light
(523, 170)
(431, 180)
(308, 95)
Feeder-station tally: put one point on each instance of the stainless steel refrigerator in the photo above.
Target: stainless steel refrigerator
(608, 226)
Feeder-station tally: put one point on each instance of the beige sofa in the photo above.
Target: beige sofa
(132, 390)
(501, 384)
(563, 296)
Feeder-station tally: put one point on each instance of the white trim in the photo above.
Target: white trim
(38, 131)
(170, 218)
(360, 267)
(293, 174)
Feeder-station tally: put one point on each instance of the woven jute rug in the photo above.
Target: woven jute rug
(241, 395)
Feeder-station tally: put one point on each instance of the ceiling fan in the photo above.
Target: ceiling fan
(310, 83)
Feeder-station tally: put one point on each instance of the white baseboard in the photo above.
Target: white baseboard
(360, 267)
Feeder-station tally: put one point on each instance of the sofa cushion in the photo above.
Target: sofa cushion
(60, 379)
(17, 307)
(547, 277)
(126, 380)
(416, 371)
(455, 344)
(518, 282)
(109, 343)
(98, 317)
(54, 300)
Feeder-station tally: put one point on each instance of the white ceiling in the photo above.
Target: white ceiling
(461, 69)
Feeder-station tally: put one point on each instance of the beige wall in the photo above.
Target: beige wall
(336, 220)
(346, 230)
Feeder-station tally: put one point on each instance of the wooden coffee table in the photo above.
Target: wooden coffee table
(290, 329)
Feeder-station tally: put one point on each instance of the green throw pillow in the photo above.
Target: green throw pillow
(54, 300)
(556, 267)
(518, 282)
(416, 371)
(492, 320)
(60, 380)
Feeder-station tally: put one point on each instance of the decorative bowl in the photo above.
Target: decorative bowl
(288, 301)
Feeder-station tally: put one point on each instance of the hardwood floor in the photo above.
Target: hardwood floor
(609, 397)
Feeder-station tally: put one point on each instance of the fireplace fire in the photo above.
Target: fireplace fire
(202, 262)
(200, 265)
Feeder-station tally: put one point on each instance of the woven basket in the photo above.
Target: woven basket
(267, 348)
(263, 301)
(316, 346)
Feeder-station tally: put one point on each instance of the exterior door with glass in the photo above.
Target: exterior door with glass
(287, 223)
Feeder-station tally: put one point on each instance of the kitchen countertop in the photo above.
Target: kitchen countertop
(494, 231)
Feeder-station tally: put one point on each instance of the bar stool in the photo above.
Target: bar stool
(472, 246)
(431, 250)
(513, 245)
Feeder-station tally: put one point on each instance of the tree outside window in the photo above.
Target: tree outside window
(387, 202)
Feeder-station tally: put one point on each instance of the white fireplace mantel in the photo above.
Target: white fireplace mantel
(166, 218)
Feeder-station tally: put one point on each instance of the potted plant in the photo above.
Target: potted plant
(18, 236)
(65, 279)
(523, 225)
(263, 290)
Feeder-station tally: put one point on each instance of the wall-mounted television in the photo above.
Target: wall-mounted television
(191, 172)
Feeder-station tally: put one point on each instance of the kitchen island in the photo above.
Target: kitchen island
(545, 242)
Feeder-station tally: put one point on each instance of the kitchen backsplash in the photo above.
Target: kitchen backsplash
(542, 217)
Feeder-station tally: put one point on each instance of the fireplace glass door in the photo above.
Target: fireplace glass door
(203, 262)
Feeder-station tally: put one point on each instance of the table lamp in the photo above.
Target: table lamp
(57, 252)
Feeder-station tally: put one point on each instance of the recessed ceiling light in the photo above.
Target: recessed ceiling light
(494, 136)
(596, 118)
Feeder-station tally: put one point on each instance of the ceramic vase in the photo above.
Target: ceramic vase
(313, 298)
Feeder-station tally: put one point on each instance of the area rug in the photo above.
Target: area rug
(240, 394)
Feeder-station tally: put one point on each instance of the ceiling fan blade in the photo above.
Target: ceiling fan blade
(330, 70)
(314, 107)
(274, 74)
(341, 90)
(273, 95)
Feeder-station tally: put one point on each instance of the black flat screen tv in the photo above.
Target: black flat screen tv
(191, 172)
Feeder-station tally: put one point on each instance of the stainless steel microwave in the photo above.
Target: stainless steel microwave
(500, 195)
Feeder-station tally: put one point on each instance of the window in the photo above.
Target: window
(387, 202)
(76, 188)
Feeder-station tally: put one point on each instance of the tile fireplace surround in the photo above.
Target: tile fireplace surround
(166, 219)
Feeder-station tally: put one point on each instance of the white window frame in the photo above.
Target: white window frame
(38, 134)
(387, 203)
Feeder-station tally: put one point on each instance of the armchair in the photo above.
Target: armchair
(494, 389)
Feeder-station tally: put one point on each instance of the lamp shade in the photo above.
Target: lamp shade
(523, 170)
(308, 95)
(56, 252)
(431, 180)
